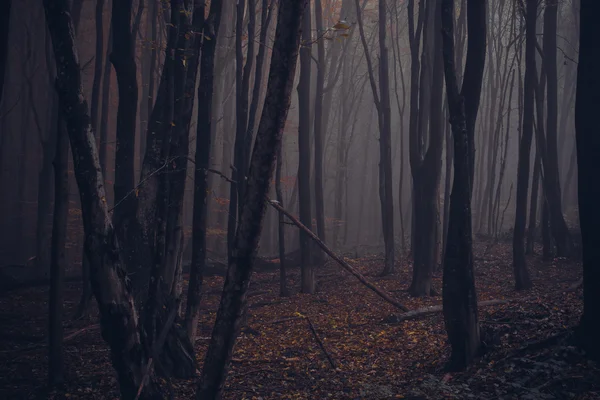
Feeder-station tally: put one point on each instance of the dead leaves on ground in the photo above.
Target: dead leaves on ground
(277, 356)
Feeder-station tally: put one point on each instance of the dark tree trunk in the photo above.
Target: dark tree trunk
(57, 257)
(551, 176)
(535, 198)
(304, 198)
(318, 131)
(4, 32)
(588, 147)
(242, 87)
(98, 63)
(547, 245)
(381, 98)
(123, 60)
(283, 290)
(106, 83)
(459, 295)
(202, 163)
(428, 173)
(277, 101)
(118, 317)
(522, 279)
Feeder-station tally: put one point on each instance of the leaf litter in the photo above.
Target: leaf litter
(362, 354)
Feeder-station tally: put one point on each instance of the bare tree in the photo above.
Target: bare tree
(522, 279)
(459, 296)
(268, 137)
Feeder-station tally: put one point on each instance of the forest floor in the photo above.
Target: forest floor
(529, 346)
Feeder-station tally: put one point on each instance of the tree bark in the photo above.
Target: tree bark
(283, 290)
(277, 101)
(123, 60)
(4, 33)
(304, 164)
(57, 257)
(522, 279)
(588, 148)
(202, 163)
(118, 316)
(459, 295)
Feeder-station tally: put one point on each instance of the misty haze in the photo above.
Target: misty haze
(299, 199)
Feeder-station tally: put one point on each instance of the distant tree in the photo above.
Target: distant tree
(304, 163)
(588, 147)
(381, 98)
(522, 279)
(459, 295)
(268, 137)
(57, 255)
(202, 163)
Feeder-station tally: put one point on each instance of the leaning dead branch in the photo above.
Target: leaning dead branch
(337, 258)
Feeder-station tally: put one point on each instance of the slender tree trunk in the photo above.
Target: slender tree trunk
(522, 279)
(277, 101)
(459, 295)
(57, 257)
(588, 148)
(5, 7)
(308, 273)
(283, 290)
(535, 198)
(202, 163)
(318, 130)
(122, 58)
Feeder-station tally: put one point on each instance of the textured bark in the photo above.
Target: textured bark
(551, 176)
(304, 164)
(98, 63)
(588, 148)
(459, 295)
(533, 203)
(57, 257)
(242, 87)
(122, 58)
(118, 316)
(202, 163)
(381, 98)
(4, 32)
(427, 173)
(522, 279)
(318, 130)
(283, 290)
(277, 101)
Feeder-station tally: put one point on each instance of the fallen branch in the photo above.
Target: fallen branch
(339, 260)
(421, 312)
(320, 342)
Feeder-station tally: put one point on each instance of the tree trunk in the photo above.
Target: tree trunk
(535, 198)
(522, 279)
(4, 34)
(428, 172)
(202, 163)
(560, 231)
(588, 148)
(318, 130)
(283, 290)
(118, 316)
(277, 101)
(57, 257)
(459, 296)
(304, 198)
(123, 60)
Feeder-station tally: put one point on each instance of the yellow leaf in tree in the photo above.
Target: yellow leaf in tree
(342, 25)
